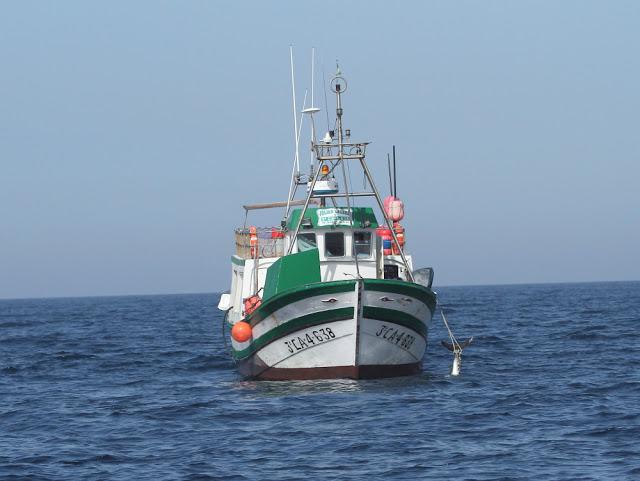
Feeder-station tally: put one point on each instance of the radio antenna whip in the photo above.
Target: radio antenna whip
(295, 114)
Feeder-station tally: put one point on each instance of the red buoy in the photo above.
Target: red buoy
(387, 239)
(251, 304)
(241, 331)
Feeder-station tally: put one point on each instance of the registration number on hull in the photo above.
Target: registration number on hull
(309, 339)
(396, 336)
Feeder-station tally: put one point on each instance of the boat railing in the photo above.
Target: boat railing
(269, 242)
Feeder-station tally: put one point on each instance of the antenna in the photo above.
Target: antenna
(295, 114)
(304, 104)
(295, 168)
(313, 78)
(395, 178)
(295, 176)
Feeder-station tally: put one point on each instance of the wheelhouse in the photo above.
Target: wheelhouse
(346, 241)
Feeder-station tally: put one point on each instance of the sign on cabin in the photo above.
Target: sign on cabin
(333, 216)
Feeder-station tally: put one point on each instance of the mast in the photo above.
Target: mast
(338, 91)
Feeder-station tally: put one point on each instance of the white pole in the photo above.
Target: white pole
(294, 175)
(313, 79)
(304, 104)
(295, 113)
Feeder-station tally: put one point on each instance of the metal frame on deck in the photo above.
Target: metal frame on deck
(325, 155)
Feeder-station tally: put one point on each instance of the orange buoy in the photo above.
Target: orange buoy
(253, 241)
(399, 230)
(400, 234)
(241, 331)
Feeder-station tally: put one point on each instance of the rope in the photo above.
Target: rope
(224, 337)
(454, 341)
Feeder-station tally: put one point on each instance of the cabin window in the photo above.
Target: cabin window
(306, 241)
(334, 244)
(362, 244)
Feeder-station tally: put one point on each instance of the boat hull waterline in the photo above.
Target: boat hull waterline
(365, 328)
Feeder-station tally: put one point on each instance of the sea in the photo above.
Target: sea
(143, 388)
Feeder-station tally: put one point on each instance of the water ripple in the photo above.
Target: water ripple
(143, 388)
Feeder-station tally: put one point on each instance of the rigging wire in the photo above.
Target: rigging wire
(350, 183)
(454, 341)
(227, 346)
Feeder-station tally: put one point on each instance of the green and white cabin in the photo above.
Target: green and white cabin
(332, 300)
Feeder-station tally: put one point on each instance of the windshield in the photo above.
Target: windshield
(306, 241)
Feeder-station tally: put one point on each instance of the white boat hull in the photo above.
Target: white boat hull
(364, 330)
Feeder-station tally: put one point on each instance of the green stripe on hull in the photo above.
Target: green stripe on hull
(333, 287)
(297, 294)
(402, 287)
(395, 317)
(293, 325)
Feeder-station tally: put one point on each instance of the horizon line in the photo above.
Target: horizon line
(89, 296)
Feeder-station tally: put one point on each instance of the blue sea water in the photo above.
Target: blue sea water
(142, 388)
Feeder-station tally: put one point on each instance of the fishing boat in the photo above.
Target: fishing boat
(331, 291)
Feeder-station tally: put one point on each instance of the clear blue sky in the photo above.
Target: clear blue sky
(132, 132)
